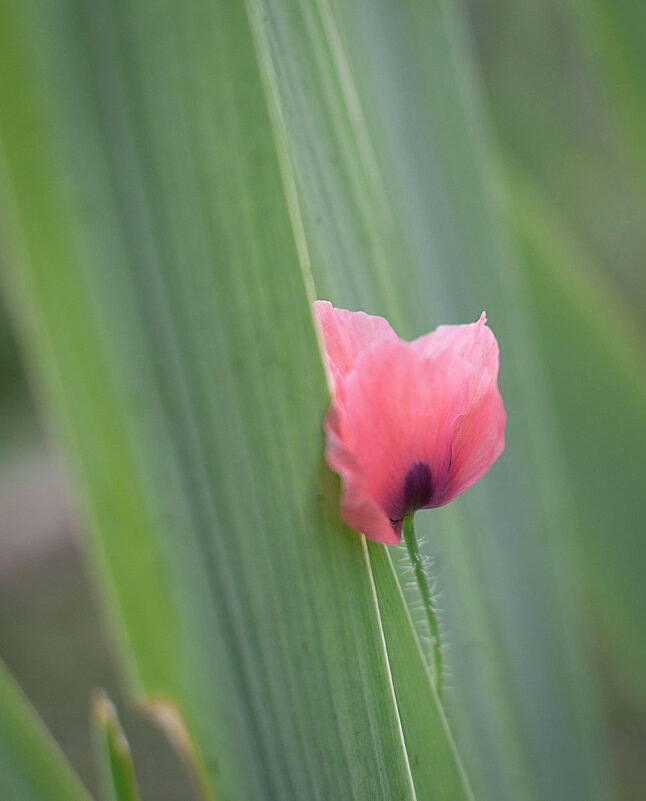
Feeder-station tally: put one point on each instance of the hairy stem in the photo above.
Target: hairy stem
(408, 530)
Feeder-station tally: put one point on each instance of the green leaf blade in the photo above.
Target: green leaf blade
(31, 766)
(113, 756)
(435, 765)
(594, 359)
(188, 374)
(395, 171)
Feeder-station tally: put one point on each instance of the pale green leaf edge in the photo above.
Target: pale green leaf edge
(112, 752)
(32, 767)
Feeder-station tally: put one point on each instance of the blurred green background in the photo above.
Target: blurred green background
(564, 85)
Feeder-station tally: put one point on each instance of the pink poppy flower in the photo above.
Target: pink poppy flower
(412, 424)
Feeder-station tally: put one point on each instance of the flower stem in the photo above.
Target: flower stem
(408, 530)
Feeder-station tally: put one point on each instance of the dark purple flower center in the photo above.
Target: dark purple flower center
(418, 492)
(418, 487)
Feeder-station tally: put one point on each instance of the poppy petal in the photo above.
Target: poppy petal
(412, 424)
(478, 435)
(346, 334)
(358, 508)
(399, 408)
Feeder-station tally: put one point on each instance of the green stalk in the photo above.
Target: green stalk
(408, 531)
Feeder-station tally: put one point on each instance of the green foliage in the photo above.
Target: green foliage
(428, 740)
(179, 182)
(571, 113)
(31, 767)
(160, 292)
(390, 165)
(595, 365)
(113, 756)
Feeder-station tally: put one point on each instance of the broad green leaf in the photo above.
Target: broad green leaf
(595, 363)
(392, 175)
(573, 116)
(113, 757)
(31, 766)
(153, 272)
(564, 81)
(615, 34)
(577, 206)
(423, 722)
(431, 753)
